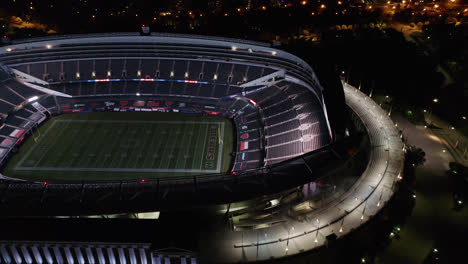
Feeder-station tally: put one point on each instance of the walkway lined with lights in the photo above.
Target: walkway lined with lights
(358, 205)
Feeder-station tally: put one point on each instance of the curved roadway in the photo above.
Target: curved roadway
(364, 200)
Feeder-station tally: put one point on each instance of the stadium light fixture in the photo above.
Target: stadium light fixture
(172, 73)
(186, 75)
(77, 75)
(48, 46)
(34, 98)
(435, 100)
(9, 49)
(274, 53)
(93, 74)
(137, 94)
(138, 73)
(215, 77)
(233, 48)
(109, 73)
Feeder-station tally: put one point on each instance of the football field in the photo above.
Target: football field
(125, 145)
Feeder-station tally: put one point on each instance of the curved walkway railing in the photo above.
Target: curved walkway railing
(354, 208)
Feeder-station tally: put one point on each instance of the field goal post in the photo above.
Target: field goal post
(36, 134)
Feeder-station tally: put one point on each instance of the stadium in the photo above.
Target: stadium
(111, 124)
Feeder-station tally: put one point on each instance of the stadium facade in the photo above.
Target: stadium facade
(294, 153)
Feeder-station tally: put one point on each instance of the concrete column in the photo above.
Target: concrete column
(69, 255)
(110, 252)
(16, 255)
(143, 257)
(58, 255)
(47, 255)
(79, 255)
(5, 254)
(89, 256)
(101, 258)
(27, 257)
(37, 255)
(121, 255)
(133, 259)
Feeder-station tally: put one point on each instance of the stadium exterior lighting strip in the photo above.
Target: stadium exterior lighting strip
(144, 80)
(34, 98)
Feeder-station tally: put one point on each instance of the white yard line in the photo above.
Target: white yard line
(190, 144)
(153, 135)
(204, 145)
(220, 149)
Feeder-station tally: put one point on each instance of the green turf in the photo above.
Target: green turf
(125, 145)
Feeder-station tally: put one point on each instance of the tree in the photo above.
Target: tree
(414, 156)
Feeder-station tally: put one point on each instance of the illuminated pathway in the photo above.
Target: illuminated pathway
(352, 209)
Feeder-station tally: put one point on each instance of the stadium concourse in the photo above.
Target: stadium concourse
(346, 213)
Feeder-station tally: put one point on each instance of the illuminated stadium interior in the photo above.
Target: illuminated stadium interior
(234, 135)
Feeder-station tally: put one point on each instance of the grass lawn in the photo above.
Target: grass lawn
(124, 145)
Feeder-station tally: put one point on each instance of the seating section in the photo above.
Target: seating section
(294, 122)
(223, 76)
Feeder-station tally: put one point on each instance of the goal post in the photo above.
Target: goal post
(36, 134)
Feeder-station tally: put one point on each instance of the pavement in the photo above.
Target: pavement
(433, 213)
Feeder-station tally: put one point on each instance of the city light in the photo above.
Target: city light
(435, 100)
(48, 46)
(322, 6)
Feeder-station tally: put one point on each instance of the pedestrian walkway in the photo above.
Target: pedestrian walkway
(347, 212)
